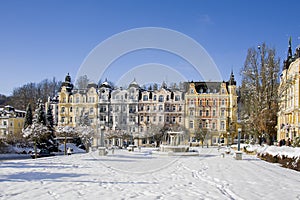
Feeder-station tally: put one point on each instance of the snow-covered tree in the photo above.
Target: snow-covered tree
(49, 119)
(38, 131)
(259, 92)
(84, 129)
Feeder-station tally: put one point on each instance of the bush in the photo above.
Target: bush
(291, 163)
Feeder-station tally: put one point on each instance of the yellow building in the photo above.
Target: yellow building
(211, 109)
(11, 121)
(289, 92)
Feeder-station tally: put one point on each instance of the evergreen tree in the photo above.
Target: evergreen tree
(50, 121)
(41, 116)
(28, 116)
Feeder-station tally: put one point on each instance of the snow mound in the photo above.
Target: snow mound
(286, 151)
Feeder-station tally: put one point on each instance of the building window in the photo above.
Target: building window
(180, 108)
(213, 125)
(148, 108)
(223, 102)
(191, 124)
(154, 118)
(207, 113)
(177, 98)
(214, 113)
(167, 119)
(161, 98)
(222, 113)
(142, 118)
(148, 119)
(173, 119)
(179, 120)
(160, 107)
(167, 108)
(91, 110)
(154, 98)
(200, 102)
(62, 109)
(222, 125)
(200, 113)
(207, 125)
(191, 113)
(71, 119)
(71, 109)
(154, 107)
(207, 103)
(192, 102)
(214, 102)
(200, 125)
(145, 97)
(160, 119)
(11, 124)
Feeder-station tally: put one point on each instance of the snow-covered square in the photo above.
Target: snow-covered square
(145, 175)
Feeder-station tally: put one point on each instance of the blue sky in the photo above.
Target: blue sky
(45, 39)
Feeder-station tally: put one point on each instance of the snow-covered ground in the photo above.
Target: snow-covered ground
(142, 175)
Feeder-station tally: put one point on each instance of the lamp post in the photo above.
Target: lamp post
(101, 137)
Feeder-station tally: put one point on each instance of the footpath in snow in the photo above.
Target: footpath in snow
(142, 175)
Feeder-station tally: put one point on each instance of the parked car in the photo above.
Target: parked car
(42, 153)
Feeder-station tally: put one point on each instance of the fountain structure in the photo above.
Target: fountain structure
(174, 142)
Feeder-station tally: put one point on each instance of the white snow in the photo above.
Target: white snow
(287, 151)
(142, 175)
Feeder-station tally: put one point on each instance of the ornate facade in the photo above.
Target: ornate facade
(289, 92)
(135, 115)
(211, 111)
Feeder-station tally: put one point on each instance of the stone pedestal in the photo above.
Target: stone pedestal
(238, 155)
(102, 151)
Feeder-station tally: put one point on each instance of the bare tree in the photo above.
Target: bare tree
(259, 92)
(82, 82)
